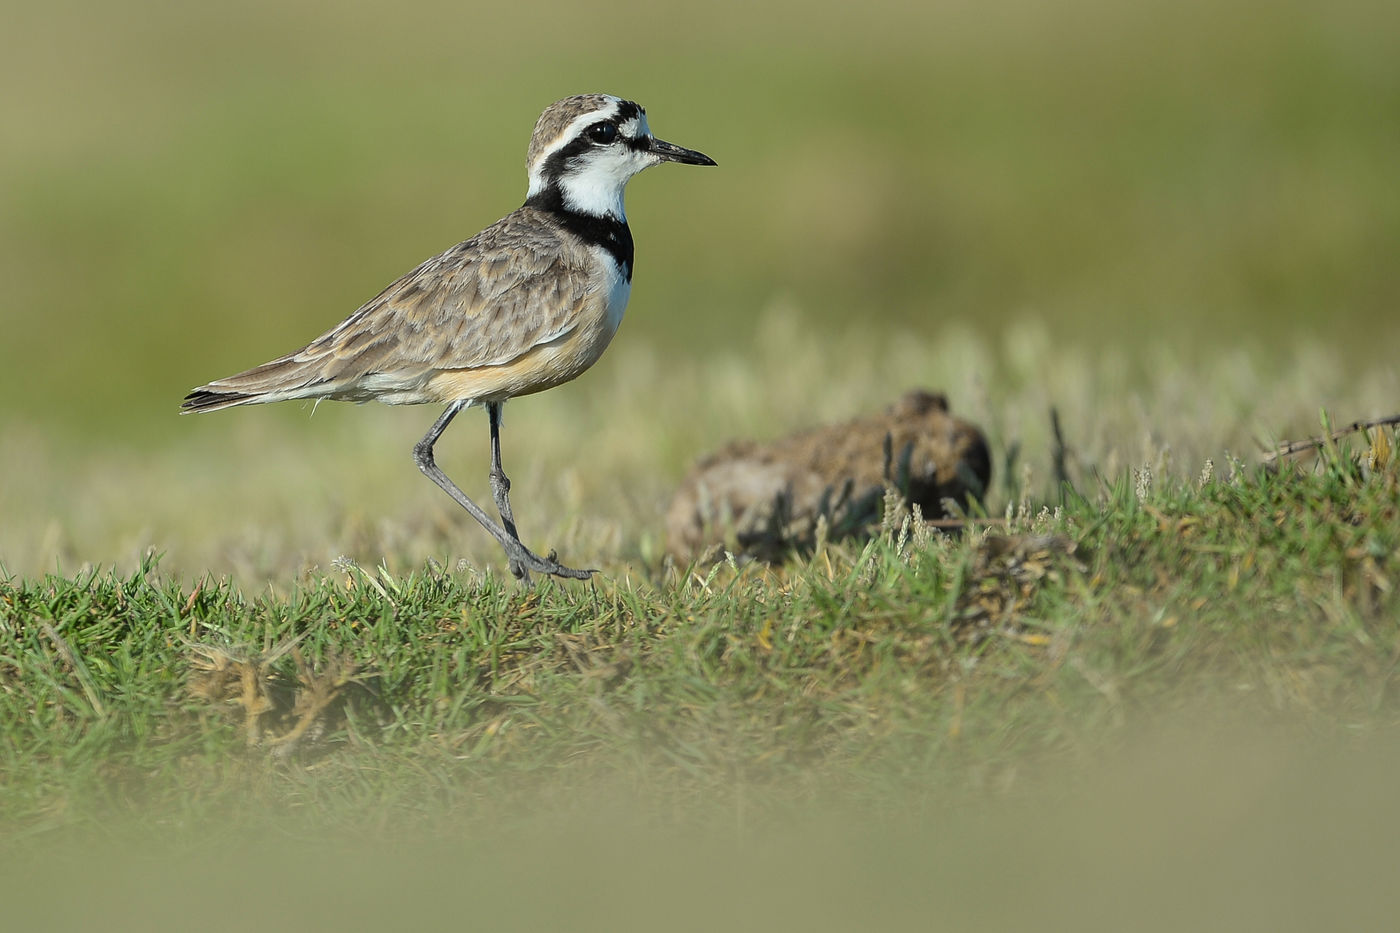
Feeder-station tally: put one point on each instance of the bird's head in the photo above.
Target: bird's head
(584, 150)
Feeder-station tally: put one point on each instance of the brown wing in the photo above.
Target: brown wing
(485, 302)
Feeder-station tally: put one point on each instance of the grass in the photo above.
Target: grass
(1163, 682)
(898, 672)
(1167, 660)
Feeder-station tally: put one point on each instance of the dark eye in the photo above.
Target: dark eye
(602, 132)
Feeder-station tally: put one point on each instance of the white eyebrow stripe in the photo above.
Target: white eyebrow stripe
(567, 135)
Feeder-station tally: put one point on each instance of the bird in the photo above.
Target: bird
(527, 304)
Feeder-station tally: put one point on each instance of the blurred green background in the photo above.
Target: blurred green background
(189, 189)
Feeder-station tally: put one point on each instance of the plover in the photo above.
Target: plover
(525, 305)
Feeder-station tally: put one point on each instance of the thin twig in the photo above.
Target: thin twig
(1287, 448)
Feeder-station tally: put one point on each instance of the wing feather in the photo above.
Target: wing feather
(485, 302)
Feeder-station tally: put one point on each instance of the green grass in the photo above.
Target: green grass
(1166, 684)
(896, 673)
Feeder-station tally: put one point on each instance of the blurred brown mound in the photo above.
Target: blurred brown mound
(764, 500)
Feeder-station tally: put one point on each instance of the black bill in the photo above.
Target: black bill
(670, 152)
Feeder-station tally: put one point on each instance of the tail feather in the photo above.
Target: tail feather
(213, 400)
(285, 378)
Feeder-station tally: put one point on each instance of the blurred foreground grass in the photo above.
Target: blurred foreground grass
(1238, 827)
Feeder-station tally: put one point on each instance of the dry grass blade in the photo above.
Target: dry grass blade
(278, 712)
(1288, 448)
(316, 694)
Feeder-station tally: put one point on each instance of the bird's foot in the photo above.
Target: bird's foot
(523, 561)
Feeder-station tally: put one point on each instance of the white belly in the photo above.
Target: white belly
(618, 290)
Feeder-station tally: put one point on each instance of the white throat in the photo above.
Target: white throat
(595, 193)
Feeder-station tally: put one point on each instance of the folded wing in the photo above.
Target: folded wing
(484, 303)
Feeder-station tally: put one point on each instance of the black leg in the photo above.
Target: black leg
(500, 484)
(522, 560)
